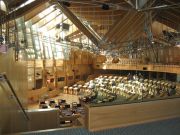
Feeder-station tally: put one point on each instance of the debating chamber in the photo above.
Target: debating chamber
(89, 67)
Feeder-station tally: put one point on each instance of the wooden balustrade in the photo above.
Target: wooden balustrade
(140, 67)
(105, 117)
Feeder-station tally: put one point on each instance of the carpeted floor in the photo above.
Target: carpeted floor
(166, 127)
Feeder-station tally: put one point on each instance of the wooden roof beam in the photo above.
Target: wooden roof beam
(73, 33)
(119, 22)
(98, 21)
(168, 22)
(23, 10)
(76, 36)
(128, 28)
(101, 12)
(78, 23)
(54, 25)
(175, 9)
(116, 36)
(33, 14)
(14, 3)
(113, 35)
(94, 9)
(96, 14)
(138, 31)
(99, 29)
(36, 11)
(47, 22)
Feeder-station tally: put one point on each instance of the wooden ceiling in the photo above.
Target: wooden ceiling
(120, 23)
(14, 3)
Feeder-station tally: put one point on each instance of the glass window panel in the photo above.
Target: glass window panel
(46, 11)
(46, 52)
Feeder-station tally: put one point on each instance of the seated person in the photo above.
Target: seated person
(52, 103)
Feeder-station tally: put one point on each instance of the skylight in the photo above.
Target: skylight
(46, 12)
(3, 6)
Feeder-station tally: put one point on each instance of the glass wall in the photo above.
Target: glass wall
(50, 35)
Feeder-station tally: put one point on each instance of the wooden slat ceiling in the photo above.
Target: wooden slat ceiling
(14, 3)
(125, 25)
(110, 21)
(115, 25)
(93, 13)
(169, 17)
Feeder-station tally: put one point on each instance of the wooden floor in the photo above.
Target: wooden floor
(69, 99)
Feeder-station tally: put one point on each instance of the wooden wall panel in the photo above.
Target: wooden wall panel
(78, 57)
(43, 119)
(16, 73)
(61, 75)
(84, 57)
(71, 57)
(101, 118)
(169, 55)
(61, 68)
(59, 63)
(100, 59)
(90, 58)
(35, 95)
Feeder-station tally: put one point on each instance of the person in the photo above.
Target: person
(135, 77)
(140, 76)
(129, 76)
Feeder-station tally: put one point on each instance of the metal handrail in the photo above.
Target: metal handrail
(3, 77)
